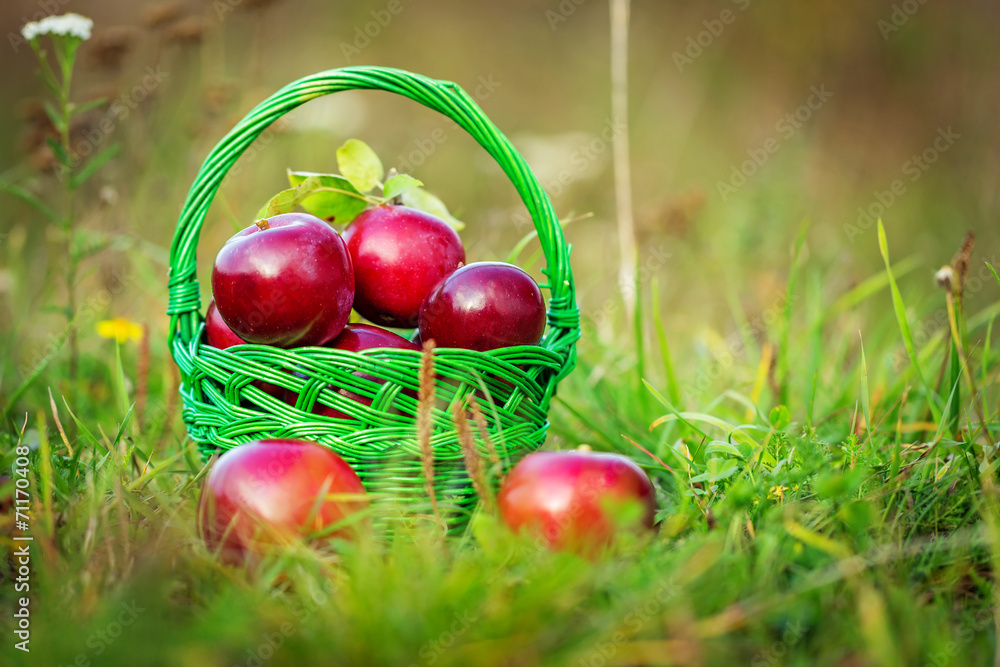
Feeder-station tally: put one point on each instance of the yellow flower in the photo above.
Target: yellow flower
(120, 329)
(777, 493)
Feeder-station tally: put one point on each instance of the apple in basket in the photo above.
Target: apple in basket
(285, 281)
(355, 338)
(399, 254)
(483, 306)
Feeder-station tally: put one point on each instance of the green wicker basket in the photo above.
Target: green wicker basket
(223, 406)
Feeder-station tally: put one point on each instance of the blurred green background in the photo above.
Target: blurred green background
(711, 85)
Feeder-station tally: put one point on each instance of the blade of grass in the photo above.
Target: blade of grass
(45, 470)
(865, 398)
(640, 348)
(786, 314)
(673, 391)
(904, 325)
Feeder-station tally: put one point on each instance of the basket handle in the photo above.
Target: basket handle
(443, 96)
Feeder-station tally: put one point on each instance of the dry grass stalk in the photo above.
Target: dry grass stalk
(477, 416)
(425, 426)
(473, 459)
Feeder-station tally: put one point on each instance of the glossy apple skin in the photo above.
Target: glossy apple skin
(399, 254)
(358, 337)
(217, 331)
(568, 498)
(484, 306)
(289, 285)
(355, 338)
(268, 490)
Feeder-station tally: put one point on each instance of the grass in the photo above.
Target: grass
(854, 523)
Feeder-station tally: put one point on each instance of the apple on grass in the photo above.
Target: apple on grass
(268, 492)
(577, 500)
(285, 281)
(399, 254)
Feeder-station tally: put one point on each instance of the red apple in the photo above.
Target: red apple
(574, 499)
(221, 336)
(483, 306)
(285, 281)
(354, 338)
(217, 331)
(268, 491)
(399, 254)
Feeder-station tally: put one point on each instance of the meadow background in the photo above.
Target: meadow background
(766, 140)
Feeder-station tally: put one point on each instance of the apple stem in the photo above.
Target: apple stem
(262, 224)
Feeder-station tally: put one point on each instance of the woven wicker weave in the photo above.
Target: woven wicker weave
(223, 406)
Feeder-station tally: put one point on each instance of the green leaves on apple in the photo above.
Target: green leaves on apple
(336, 199)
(360, 165)
(422, 200)
(341, 197)
(398, 185)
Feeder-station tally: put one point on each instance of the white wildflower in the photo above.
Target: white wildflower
(72, 25)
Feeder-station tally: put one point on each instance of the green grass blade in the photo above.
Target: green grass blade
(673, 391)
(904, 325)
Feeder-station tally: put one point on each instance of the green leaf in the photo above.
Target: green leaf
(286, 200)
(780, 418)
(904, 325)
(87, 106)
(399, 184)
(93, 165)
(865, 398)
(419, 198)
(338, 201)
(360, 165)
(59, 151)
(727, 469)
(995, 275)
(30, 199)
(717, 446)
(54, 117)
